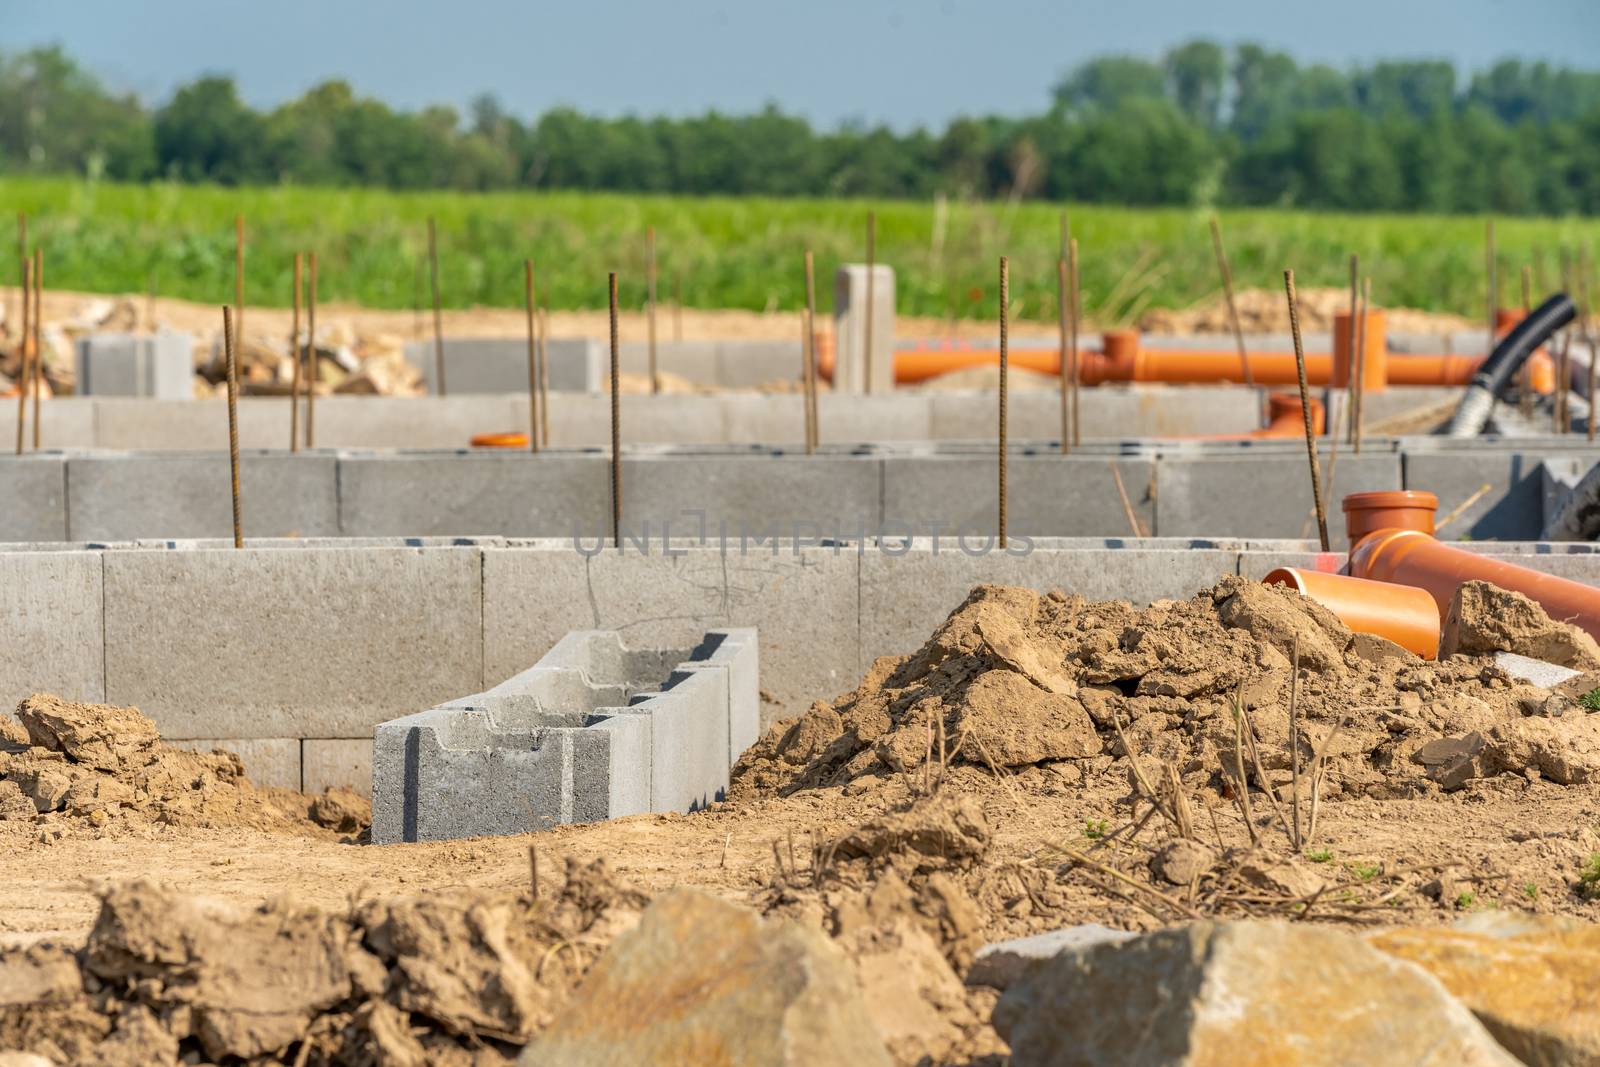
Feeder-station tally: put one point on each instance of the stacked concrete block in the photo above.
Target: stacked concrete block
(125, 364)
(594, 730)
(34, 488)
(51, 626)
(850, 329)
(500, 364)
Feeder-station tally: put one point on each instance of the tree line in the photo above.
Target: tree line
(1201, 125)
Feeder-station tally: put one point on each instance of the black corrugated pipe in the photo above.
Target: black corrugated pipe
(1472, 414)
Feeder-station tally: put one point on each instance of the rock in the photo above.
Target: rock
(1534, 671)
(810, 735)
(1286, 876)
(1008, 719)
(1451, 762)
(342, 810)
(104, 737)
(1003, 964)
(44, 780)
(1529, 979)
(1010, 645)
(945, 829)
(1181, 861)
(14, 803)
(700, 980)
(1382, 652)
(1565, 750)
(1216, 994)
(915, 1001)
(1278, 615)
(96, 793)
(23, 1059)
(1484, 618)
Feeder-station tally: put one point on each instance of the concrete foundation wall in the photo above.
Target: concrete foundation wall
(314, 644)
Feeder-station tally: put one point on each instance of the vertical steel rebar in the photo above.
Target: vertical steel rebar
(1305, 409)
(438, 316)
(1005, 296)
(295, 355)
(650, 302)
(1076, 292)
(1064, 379)
(1233, 307)
(38, 339)
(1585, 308)
(24, 342)
(677, 305)
(238, 275)
(533, 360)
(809, 354)
(1358, 407)
(228, 343)
(311, 351)
(872, 271)
(544, 380)
(616, 424)
(1352, 345)
(22, 254)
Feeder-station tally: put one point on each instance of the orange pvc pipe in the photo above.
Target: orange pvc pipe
(499, 440)
(1408, 557)
(1389, 509)
(1399, 613)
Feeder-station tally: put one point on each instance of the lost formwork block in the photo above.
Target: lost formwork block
(786, 495)
(51, 626)
(1115, 412)
(516, 494)
(912, 589)
(336, 763)
(594, 730)
(1262, 496)
(285, 642)
(1511, 510)
(149, 424)
(166, 495)
(64, 422)
(803, 603)
(415, 421)
(1047, 494)
(585, 421)
(268, 761)
(850, 329)
(34, 488)
(125, 364)
(500, 364)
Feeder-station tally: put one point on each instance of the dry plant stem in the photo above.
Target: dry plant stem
(1359, 408)
(1563, 373)
(1127, 505)
(1183, 815)
(1238, 762)
(533, 359)
(230, 344)
(872, 270)
(1261, 774)
(1076, 295)
(544, 380)
(438, 315)
(1318, 762)
(1138, 772)
(311, 350)
(1305, 409)
(1294, 741)
(294, 357)
(1004, 299)
(1353, 344)
(1233, 307)
(1111, 872)
(533, 870)
(1456, 512)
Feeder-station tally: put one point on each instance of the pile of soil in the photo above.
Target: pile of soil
(1267, 311)
(460, 978)
(71, 767)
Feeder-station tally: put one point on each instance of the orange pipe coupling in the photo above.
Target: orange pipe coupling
(1399, 613)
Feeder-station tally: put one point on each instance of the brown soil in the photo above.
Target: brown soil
(1267, 311)
(976, 790)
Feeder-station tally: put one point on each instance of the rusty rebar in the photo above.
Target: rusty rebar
(1358, 408)
(533, 360)
(1525, 372)
(544, 379)
(1352, 346)
(438, 316)
(238, 275)
(1005, 295)
(808, 373)
(24, 342)
(616, 423)
(38, 340)
(1585, 308)
(1233, 307)
(311, 350)
(1305, 408)
(22, 254)
(1075, 290)
(1063, 378)
(677, 305)
(228, 344)
(295, 356)
(650, 302)
(872, 270)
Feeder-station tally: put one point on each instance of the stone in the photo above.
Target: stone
(1530, 979)
(914, 999)
(1009, 720)
(1484, 618)
(1181, 861)
(1451, 762)
(99, 735)
(14, 803)
(1214, 994)
(700, 980)
(1002, 964)
(1565, 750)
(1533, 671)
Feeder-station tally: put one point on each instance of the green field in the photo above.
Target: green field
(744, 253)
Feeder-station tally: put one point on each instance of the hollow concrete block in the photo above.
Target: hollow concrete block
(1263, 496)
(34, 488)
(793, 494)
(1511, 510)
(125, 364)
(51, 626)
(1047, 493)
(415, 421)
(511, 493)
(290, 643)
(500, 364)
(850, 329)
(64, 422)
(121, 497)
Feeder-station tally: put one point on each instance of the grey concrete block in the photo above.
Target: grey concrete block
(585, 421)
(336, 763)
(299, 643)
(1002, 964)
(467, 493)
(51, 626)
(850, 329)
(548, 739)
(152, 424)
(694, 361)
(1511, 510)
(852, 419)
(268, 761)
(803, 604)
(905, 597)
(1267, 496)
(749, 363)
(34, 488)
(124, 364)
(1047, 494)
(791, 495)
(1534, 671)
(764, 418)
(500, 364)
(64, 422)
(1114, 412)
(416, 422)
(123, 497)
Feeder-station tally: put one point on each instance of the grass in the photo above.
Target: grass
(1589, 878)
(744, 252)
(1591, 700)
(1095, 829)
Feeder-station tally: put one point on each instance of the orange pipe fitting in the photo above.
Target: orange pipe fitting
(499, 440)
(1410, 557)
(1389, 509)
(1374, 352)
(1399, 613)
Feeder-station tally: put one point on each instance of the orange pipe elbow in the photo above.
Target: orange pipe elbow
(1399, 613)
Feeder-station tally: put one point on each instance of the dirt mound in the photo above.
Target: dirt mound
(452, 978)
(95, 765)
(1484, 618)
(1267, 311)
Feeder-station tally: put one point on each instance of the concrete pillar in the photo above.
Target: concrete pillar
(850, 328)
(125, 364)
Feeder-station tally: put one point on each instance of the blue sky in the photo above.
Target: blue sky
(904, 63)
